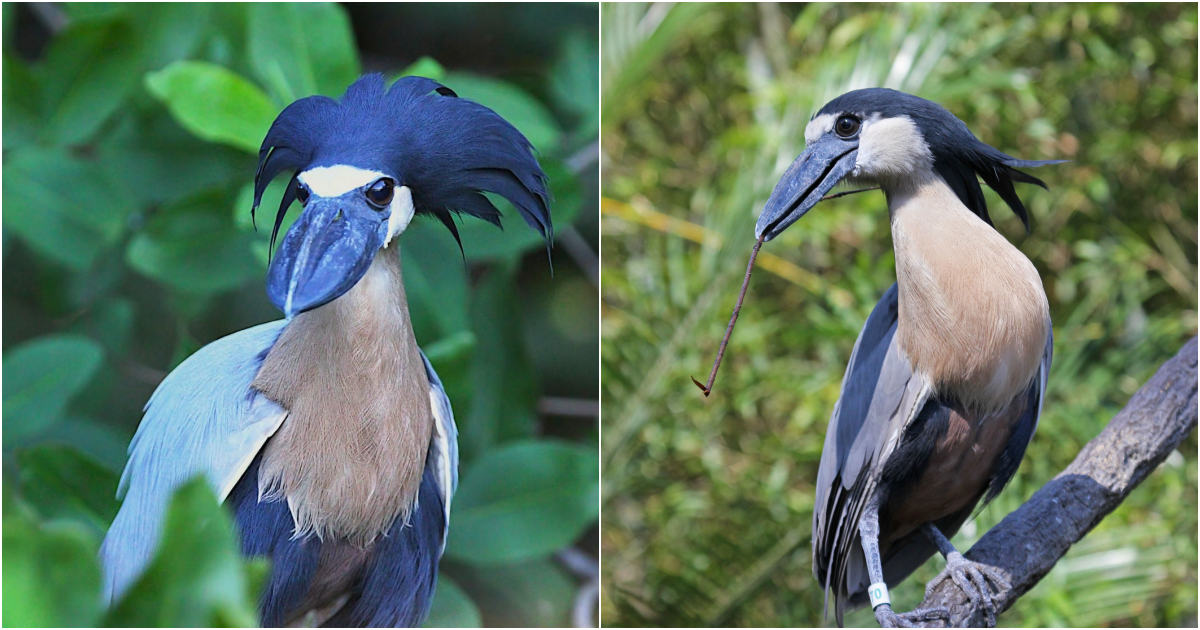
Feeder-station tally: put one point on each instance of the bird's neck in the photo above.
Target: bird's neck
(973, 316)
(350, 455)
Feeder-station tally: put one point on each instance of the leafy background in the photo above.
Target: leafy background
(708, 503)
(130, 136)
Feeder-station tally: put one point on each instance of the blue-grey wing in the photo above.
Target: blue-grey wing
(880, 395)
(203, 418)
(859, 386)
(444, 449)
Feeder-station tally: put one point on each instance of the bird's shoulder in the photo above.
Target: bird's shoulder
(204, 418)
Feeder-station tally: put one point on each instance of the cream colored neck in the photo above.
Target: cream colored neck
(350, 455)
(973, 316)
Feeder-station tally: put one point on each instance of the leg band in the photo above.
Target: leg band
(879, 595)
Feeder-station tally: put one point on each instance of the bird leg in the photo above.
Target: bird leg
(970, 576)
(868, 532)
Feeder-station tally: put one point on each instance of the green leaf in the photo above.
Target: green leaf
(51, 574)
(483, 241)
(110, 322)
(536, 594)
(452, 608)
(194, 247)
(62, 482)
(214, 103)
(331, 47)
(427, 67)
(575, 82)
(524, 501)
(22, 116)
(197, 577)
(158, 161)
(451, 358)
(9, 20)
(435, 278)
(70, 224)
(502, 386)
(41, 377)
(301, 49)
(80, 11)
(450, 349)
(171, 30)
(90, 68)
(512, 103)
(100, 441)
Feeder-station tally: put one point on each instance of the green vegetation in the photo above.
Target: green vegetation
(708, 502)
(130, 141)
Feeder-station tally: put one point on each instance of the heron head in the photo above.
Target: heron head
(363, 166)
(892, 139)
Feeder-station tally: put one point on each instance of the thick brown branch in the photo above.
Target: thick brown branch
(1028, 542)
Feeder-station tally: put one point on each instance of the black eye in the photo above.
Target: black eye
(847, 126)
(380, 193)
(302, 194)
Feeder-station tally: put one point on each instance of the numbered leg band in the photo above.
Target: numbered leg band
(879, 595)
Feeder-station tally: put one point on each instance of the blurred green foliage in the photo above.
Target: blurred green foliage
(130, 141)
(708, 502)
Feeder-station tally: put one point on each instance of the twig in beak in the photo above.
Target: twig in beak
(712, 376)
(732, 320)
(847, 192)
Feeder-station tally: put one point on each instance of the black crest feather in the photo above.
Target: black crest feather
(447, 150)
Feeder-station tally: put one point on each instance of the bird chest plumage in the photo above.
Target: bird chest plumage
(349, 457)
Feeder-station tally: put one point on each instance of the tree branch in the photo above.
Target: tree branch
(1030, 541)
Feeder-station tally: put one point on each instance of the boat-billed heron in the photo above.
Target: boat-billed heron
(328, 434)
(946, 381)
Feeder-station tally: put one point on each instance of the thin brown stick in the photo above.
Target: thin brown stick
(732, 320)
(847, 192)
(712, 376)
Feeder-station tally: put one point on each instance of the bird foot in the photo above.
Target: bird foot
(888, 618)
(972, 578)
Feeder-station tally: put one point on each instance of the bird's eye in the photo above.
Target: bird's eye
(847, 126)
(380, 193)
(302, 194)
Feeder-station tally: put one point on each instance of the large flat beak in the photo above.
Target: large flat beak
(325, 253)
(822, 165)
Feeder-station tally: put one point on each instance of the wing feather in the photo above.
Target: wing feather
(444, 449)
(880, 396)
(203, 418)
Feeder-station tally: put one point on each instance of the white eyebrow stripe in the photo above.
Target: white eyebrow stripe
(818, 127)
(337, 180)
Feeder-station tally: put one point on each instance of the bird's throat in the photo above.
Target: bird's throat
(350, 455)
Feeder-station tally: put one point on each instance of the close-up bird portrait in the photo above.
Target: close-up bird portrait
(300, 315)
(933, 271)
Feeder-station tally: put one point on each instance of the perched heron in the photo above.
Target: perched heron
(945, 385)
(328, 434)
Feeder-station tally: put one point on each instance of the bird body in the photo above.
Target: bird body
(328, 434)
(944, 388)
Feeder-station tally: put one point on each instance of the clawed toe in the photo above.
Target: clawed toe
(972, 578)
(888, 618)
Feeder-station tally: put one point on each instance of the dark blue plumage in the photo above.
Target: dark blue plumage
(266, 530)
(395, 587)
(447, 150)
